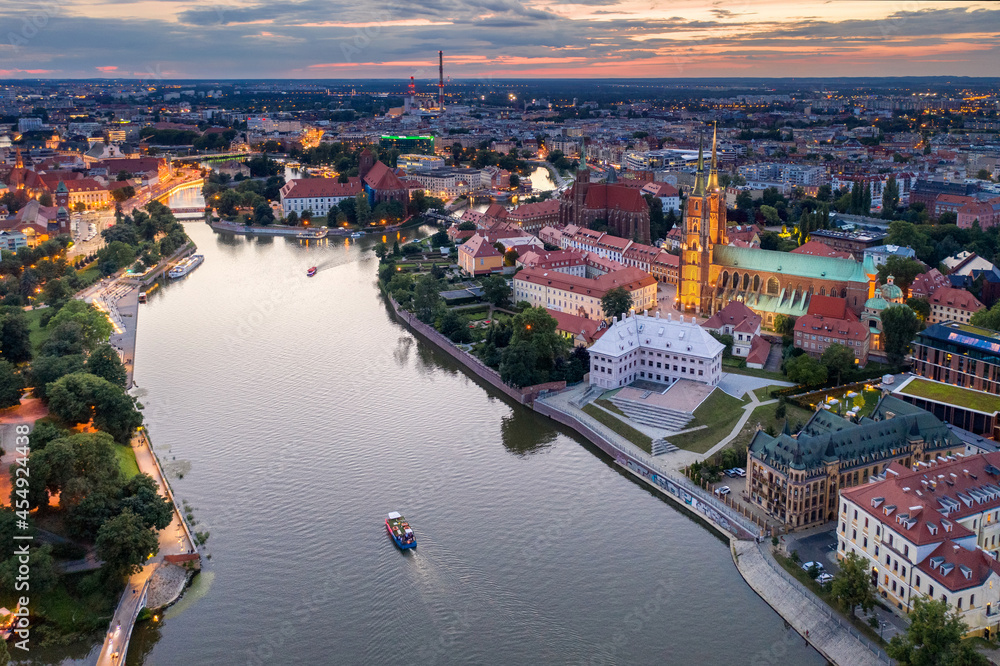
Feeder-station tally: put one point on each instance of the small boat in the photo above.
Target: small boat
(400, 531)
(357, 234)
(142, 297)
(311, 272)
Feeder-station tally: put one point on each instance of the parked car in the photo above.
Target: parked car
(824, 578)
(722, 491)
(739, 471)
(806, 566)
(728, 472)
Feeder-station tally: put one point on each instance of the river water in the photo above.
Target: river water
(293, 413)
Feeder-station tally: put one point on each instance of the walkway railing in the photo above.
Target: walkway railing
(832, 614)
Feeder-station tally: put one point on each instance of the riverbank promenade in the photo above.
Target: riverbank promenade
(810, 616)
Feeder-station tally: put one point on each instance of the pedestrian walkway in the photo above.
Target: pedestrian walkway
(832, 636)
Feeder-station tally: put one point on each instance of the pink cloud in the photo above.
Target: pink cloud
(9, 72)
(107, 68)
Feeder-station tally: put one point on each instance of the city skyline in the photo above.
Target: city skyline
(162, 39)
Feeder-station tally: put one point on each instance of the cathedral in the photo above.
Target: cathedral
(714, 273)
(623, 208)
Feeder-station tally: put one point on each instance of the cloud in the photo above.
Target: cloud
(107, 68)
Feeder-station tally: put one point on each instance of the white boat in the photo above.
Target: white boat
(357, 234)
(186, 266)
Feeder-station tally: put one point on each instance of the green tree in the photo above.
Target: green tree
(124, 543)
(496, 290)
(838, 359)
(362, 209)
(903, 269)
(934, 638)
(987, 318)
(11, 385)
(616, 302)
(744, 200)
(427, 298)
(468, 225)
(15, 343)
(141, 495)
(853, 586)
(510, 257)
(770, 214)
(899, 325)
(518, 365)
(47, 369)
(114, 256)
(94, 324)
(921, 307)
(804, 369)
(104, 362)
(890, 199)
(80, 397)
(784, 325)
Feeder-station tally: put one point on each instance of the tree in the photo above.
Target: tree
(426, 298)
(804, 369)
(921, 307)
(616, 302)
(80, 397)
(903, 269)
(770, 214)
(984, 174)
(987, 318)
(468, 225)
(362, 209)
(784, 325)
(853, 587)
(45, 199)
(510, 257)
(94, 324)
(263, 215)
(890, 198)
(104, 362)
(11, 385)
(744, 201)
(899, 325)
(933, 638)
(838, 359)
(15, 343)
(142, 496)
(518, 365)
(124, 543)
(496, 290)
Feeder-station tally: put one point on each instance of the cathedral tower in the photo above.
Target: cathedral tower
(704, 227)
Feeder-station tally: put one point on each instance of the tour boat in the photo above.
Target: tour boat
(142, 297)
(400, 531)
(186, 266)
(311, 272)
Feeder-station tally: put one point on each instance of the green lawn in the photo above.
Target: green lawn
(764, 394)
(953, 395)
(89, 274)
(36, 333)
(763, 374)
(610, 406)
(719, 412)
(126, 461)
(642, 440)
(764, 415)
(74, 611)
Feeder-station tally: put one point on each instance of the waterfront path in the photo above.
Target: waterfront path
(176, 539)
(831, 635)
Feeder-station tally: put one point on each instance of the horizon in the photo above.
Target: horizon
(520, 39)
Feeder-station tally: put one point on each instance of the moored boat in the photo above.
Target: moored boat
(186, 266)
(357, 234)
(400, 531)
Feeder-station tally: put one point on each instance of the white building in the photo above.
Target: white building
(657, 350)
(582, 296)
(451, 182)
(419, 162)
(318, 195)
(933, 531)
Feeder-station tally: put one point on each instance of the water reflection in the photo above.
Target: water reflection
(523, 432)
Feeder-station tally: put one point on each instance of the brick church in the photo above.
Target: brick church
(623, 208)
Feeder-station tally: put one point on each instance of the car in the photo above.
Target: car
(722, 491)
(728, 472)
(806, 566)
(824, 578)
(739, 471)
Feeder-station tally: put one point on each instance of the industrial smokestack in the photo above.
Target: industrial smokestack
(441, 80)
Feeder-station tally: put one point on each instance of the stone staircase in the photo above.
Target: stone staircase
(592, 393)
(661, 446)
(653, 415)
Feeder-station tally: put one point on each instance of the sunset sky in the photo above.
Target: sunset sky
(496, 38)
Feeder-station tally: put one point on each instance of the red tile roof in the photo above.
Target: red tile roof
(830, 307)
(477, 247)
(589, 329)
(955, 298)
(381, 179)
(303, 188)
(615, 197)
(760, 349)
(841, 329)
(818, 249)
(733, 314)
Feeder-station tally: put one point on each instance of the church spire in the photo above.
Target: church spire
(699, 179)
(19, 164)
(713, 176)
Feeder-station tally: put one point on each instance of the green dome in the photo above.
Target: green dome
(876, 303)
(891, 292)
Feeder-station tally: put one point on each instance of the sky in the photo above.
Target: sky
(485, 39)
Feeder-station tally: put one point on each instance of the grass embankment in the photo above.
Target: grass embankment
(732, 365)
(719, 412)
(642, 440)
(610, 406)
(36, 332)
(953, 395)
(126, 461)
(764, 394)
(78, 606)
(89, 274)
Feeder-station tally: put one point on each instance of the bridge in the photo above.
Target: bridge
(216, 157)
(188, 211)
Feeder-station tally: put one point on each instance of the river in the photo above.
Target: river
(293, 413)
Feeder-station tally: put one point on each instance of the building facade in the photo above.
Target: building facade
(797, 477)
(582, 296)
(655, 349)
